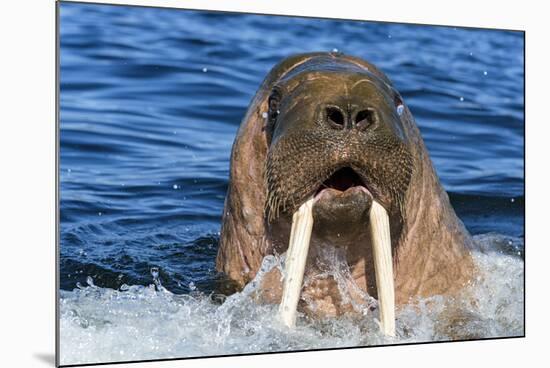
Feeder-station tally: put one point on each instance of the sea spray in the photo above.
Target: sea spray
(139, 322)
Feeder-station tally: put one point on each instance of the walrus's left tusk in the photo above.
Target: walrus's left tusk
(383, 267)
(295, 263)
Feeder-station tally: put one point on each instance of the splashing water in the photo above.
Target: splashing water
(332, 263)
(140, 322)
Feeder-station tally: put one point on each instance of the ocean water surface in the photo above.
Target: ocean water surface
(150, 101)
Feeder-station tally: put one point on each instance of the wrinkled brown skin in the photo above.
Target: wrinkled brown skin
(431, 245)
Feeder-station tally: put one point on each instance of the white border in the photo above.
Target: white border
(27, 182)
(426, 12)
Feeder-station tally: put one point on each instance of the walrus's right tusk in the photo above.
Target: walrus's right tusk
(383, 267)
(295, 263)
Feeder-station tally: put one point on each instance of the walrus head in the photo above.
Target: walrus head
(337, 136)
(329, 158)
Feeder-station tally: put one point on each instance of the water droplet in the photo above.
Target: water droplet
(485, 72)
(99, 214)
(68, 170)
(471, 54)
(512, 200)
(192, 286)
(155, 272)
(175, 186)
(461, 98)
(158, 285)
(400, 109)
(264, 115)
(204, 70)
(90, 281)
(335, 50)
(389, 36)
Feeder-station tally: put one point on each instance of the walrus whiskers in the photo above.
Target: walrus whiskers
(295, 261)
(383, 267)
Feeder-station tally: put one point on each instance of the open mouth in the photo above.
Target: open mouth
(342, 180)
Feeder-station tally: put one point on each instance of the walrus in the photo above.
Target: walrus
(329, 153)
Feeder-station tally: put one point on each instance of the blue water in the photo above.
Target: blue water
(150, 101)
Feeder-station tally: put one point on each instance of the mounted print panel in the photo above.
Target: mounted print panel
(236, 183)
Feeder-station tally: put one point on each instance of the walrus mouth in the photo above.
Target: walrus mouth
(362, 186)
(300, 235)
(342, 180)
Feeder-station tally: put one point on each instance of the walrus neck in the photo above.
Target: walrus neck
(423, 266)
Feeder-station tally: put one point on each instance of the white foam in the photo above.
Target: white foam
(137, 322)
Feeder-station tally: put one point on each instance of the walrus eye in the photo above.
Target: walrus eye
(365, 118)
(273, 105)
(273, 109)
(272, 113)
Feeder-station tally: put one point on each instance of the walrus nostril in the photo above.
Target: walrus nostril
(365, 118)
(335, 117)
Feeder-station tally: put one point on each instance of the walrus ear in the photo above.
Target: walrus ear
(273, 104)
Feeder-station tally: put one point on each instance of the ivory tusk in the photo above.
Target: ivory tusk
(295, 263)
(383, 267)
